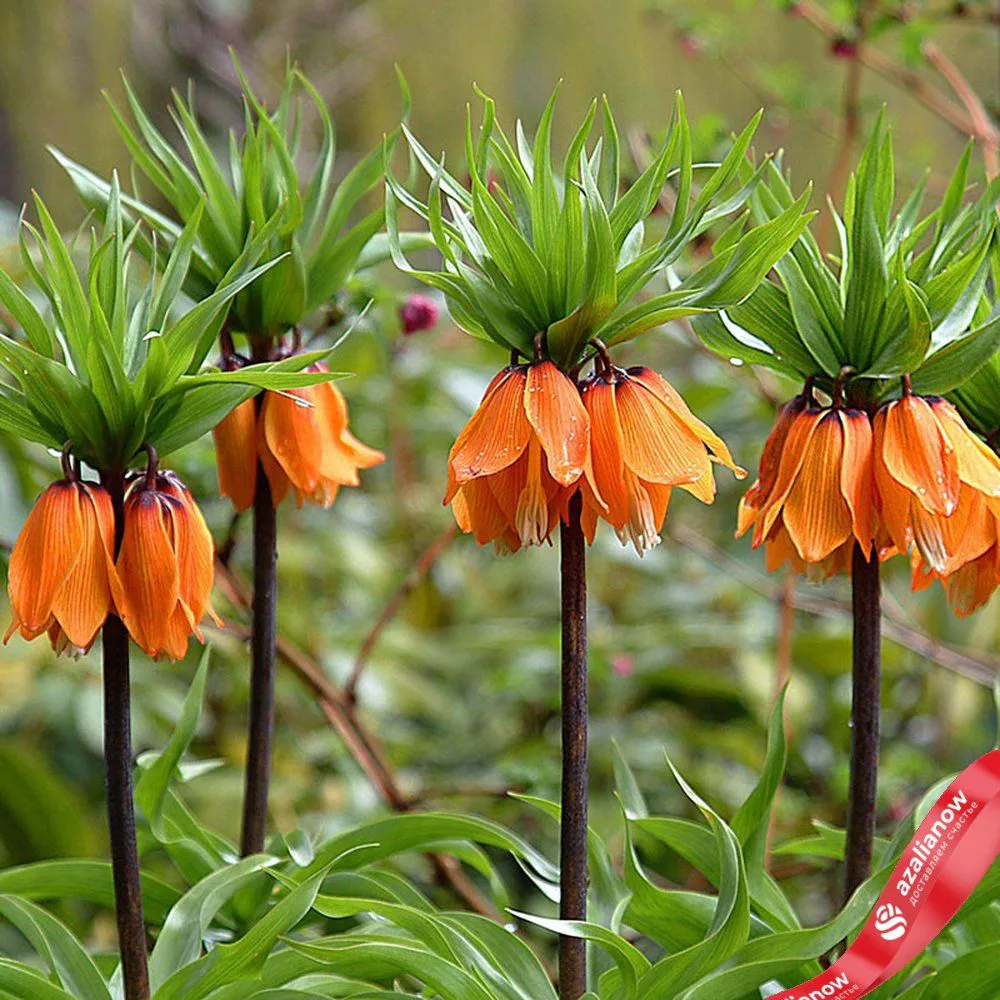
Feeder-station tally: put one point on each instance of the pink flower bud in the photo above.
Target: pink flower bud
(418, 312)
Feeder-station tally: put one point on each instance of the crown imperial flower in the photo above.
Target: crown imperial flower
(165, 566)
(813, 498)
(62, 572)
(645, 441)
(302, 439)
(514, 465)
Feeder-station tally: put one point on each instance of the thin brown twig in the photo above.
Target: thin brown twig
(357, 739)
(986, 131)
(977, 667)
(874, 58)
(418, 571)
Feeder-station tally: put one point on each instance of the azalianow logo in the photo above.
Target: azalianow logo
(890, 922)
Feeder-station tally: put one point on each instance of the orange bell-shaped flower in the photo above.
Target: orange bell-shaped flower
(518, 459)
(302, 439)
(938, 485)
(645, 440)
(165, 567)
(813, 498)
(62, 574)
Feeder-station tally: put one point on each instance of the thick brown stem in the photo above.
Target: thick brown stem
(263, 651)
(118, 786)
(865, 718)
(573, 840)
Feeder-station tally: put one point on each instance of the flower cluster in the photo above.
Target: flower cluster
(909, 478)
(302, 441)
(622, 439)
(66, 579)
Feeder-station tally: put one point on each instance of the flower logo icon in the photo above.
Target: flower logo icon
(890, 922)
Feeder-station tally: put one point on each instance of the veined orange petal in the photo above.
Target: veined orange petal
(661, 388)
(195, 555)
(147, 566)
(770, 458)
(557, 415)
(83, 601)
(918, 455)
(797, 443)
(978, 464)
(972, 585)
(857, 475)
(479, 513)
(236, 454)
(342, 453)
(892, 498)
(277, 479)
(658, 446)
(970, 531)
(45, 552)
(293, 436)
(496, 435)
(779, 549)
(815, 514)
(606, 451)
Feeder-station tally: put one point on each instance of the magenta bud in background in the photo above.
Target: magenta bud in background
(418, 312)
(622, 665)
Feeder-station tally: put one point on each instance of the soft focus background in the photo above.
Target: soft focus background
(458, 694)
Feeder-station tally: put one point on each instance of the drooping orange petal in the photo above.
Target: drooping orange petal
(495, 436)
(857, 475)
(83, 601)
(816, 515)
(606, 450)
(919, 456)
(195, 557)
(236, 454)
(292, 435)
(559, 419)
(659, 447)
(797, 444)
(45, 552)
(971, 586)
(892, 498)
(978, 464)
(780, 549)
(770, 458)
(342, 453)
(531, 518)
(970, 531)
(483, 516)
(661, 388)
(757, 496)
(147, 567)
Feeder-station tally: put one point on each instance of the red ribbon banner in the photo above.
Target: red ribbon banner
(951, 851)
